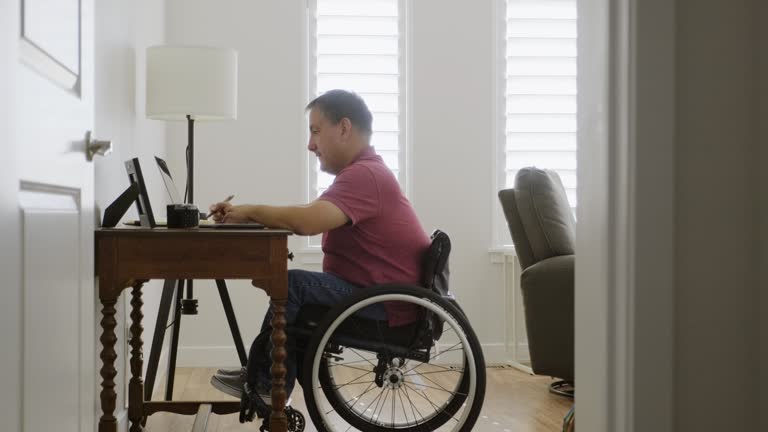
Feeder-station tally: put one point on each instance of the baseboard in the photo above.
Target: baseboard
(226, 356)
(523, 354)
(494, 353)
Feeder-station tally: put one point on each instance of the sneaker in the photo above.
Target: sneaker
(230, 371)
(233, 386)
(229, 384)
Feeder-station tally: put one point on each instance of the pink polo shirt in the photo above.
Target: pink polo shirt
(385, 242)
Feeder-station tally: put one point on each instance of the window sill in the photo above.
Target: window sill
(498, 255)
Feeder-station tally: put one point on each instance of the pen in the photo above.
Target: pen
(227, 199)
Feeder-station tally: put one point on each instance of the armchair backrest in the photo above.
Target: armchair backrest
(539, 216)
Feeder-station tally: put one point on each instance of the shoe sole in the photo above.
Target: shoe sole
(237, 392)
(226, 388)
(229, 372)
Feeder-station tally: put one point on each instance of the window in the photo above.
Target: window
(539, 100)
(358, 45)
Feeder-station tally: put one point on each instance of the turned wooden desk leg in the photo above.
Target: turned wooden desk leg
(136, 385)
(108, 423)
(278, 421)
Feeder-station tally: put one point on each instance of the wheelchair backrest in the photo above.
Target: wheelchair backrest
(435, 271)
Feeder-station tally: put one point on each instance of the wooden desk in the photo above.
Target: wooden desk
(128, 257)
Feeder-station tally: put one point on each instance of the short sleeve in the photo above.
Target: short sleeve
(355, 192)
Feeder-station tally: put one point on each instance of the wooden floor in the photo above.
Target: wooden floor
(514, 402)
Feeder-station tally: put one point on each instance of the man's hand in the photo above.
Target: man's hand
(236, 214)
(219, 210)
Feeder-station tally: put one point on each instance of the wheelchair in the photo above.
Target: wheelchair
(361, 374)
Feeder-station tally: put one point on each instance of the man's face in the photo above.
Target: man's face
(325, 141)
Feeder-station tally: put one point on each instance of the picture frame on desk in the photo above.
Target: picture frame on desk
(143, 206)
(136, 193)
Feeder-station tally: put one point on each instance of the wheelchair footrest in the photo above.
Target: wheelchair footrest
(252, 406)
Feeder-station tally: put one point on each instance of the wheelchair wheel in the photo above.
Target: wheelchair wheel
(375, 384)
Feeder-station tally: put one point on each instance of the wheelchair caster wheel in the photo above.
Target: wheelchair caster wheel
(296, 422)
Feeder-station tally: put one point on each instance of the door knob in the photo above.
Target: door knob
(96, 147)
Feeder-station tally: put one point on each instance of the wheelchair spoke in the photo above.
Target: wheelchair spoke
(357, 398)
(441, 409)
(359, 355)
(451, 350)
(405, 411)
(447, 330)
(394, 411)
(351, 363)
(414, 408)
(347, 402)
(424, 396)
(352, 383)
(445, 370)
(441, 387)
(435, 356)
(378, 401)
(367, 372)
(346, 365)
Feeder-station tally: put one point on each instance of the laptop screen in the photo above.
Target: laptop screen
(170, 186)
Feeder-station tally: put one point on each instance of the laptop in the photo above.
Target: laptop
(175, 198)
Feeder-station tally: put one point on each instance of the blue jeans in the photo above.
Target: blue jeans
(304, 287)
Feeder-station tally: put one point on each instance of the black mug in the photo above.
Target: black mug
(182, 215)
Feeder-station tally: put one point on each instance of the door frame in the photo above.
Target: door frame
(625, 244)
(10, 264)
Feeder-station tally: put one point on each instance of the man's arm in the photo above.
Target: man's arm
(316, 217)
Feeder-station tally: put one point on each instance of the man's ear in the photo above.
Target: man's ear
(346, 126)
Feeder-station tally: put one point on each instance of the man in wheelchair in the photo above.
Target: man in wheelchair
(354, 343)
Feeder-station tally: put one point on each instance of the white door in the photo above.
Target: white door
(54, 110)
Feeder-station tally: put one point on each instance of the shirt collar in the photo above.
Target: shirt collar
(366, 153)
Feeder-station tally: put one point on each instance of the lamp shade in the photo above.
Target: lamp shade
(197, 81)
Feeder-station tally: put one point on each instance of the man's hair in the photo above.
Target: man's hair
(338, 104)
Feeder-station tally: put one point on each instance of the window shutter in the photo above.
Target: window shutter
(357, 48)
(541, 89)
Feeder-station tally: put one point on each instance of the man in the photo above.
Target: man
(371, 234)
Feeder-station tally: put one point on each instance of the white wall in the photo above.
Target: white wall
(260, 157)
(123, 30)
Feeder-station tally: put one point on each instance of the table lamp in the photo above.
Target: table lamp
(191, 83)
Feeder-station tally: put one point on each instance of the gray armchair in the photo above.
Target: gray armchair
(542, 227)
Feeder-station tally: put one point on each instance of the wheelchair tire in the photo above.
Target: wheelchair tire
(463, 396)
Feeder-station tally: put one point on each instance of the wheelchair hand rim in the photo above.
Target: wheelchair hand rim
(429, 304)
